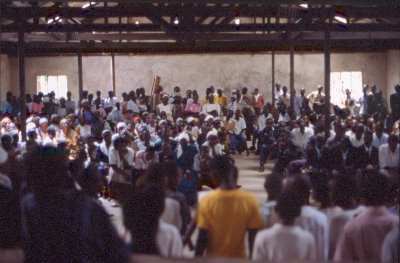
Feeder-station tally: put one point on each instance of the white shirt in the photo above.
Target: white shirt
(316, 223)
(165, 108)
(115, 159)
(390, 248)
(284, 118)
(169, 241)
(240, 125)
(172, 213)
(336, 226)
(355, 142)
(268, 213)
(298, 102)
(301, 140)
(208, 108)
(387, 158)
(283, 244)
(85, 131)
(110, 102)
(261, 120)
(218, 148)
(377, 142)
(131, 105)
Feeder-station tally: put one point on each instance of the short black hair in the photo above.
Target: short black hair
(374, 187)
(273, 186)
(222, 166)
(300, 185)
(344, 189)
(288, 207)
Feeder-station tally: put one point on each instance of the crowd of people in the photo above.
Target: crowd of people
(102, 178)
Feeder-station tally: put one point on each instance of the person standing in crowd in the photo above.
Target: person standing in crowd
(285, 97)
(219, 237)
(299, 102)
(285, 241)
(221, 99)
(70, 104)
(278, 92)
(363, 102)
(363, 236)
(67, 232)
(395, 103)
(149, 234)
(301, 136)
(310, 218)
(273, 186)
(258, 100)
(389, 155)
(237, 138)
(317, 99)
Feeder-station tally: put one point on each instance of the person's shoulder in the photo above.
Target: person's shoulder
(314, 213)
(266, 234)
(171, 203)
(304, 234)
(249, 197)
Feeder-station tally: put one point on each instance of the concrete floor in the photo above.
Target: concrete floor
(249, 176)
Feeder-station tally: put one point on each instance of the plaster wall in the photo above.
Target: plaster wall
(199, 71)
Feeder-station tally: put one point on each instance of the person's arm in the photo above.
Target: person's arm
(382, 158)
(119, 170)
(252, 233)
(202, 242)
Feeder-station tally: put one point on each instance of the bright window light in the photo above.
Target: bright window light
(305, 6)
(88, 5)
(50, 21)
(137, 22)
(237, 21)
(341, 19)
(176, 21)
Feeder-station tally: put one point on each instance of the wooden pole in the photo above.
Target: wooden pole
(292, 91)
(291, 41)
(273, 77)
(113, 72)
(327, 71)
(22, 90)
(80, 76)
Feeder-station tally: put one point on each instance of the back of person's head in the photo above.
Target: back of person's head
(154, 175)
(221, 168)
(374, 187)
(320, 188)
(141, 213)
(288, 207)
(299, 185)
(47, 170)
(273, 186)
(343, 190)
(171, 171)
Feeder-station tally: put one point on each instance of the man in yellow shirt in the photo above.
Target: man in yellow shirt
(221, 99)
(226, 214)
